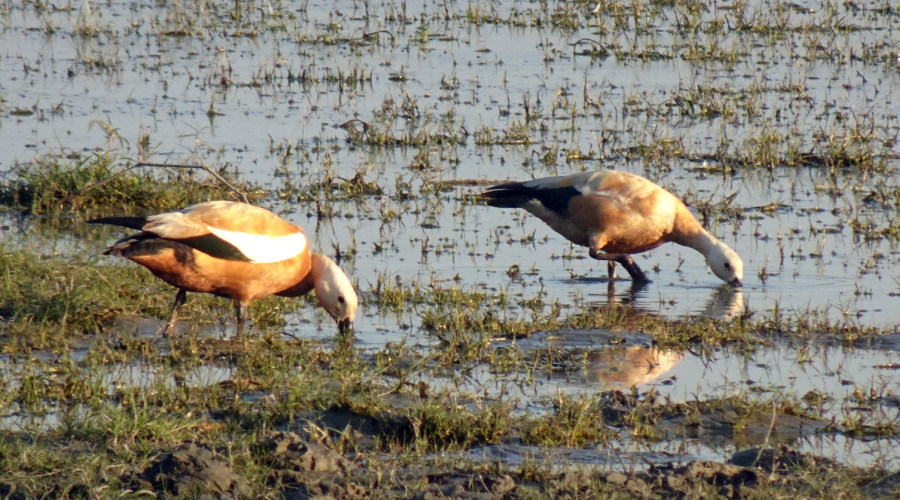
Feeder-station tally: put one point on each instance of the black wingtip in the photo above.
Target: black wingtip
(507, 195)
(519, 194)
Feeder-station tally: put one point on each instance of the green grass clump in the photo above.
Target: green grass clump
(99, 182)
(574, 424)
(65, 292)
(440, 424)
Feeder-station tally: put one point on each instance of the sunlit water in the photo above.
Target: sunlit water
(832, 383)
(130, 78)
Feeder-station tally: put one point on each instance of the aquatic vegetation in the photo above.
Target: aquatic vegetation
(489, 360)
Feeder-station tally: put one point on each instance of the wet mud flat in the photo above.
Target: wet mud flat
(334, 421)
(304, 469)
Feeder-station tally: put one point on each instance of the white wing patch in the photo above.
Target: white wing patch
(262, 249)
(589, 182)
(585, 187)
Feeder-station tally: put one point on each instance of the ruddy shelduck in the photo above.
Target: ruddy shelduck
(234, 250)
(616, 214)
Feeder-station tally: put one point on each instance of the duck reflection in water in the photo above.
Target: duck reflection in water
(623, 368)
(725, 302)
(627, 367)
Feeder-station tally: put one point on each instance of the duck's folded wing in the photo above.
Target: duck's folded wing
(231, 231)
(263, 248)
(552, 193)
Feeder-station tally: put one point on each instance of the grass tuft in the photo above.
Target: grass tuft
(100, 182)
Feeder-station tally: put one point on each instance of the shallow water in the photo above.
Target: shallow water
(134, 77)
(630, 456)
(590, 362)
(793, 225)
(832, 383)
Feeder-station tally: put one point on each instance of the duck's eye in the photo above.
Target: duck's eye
(727, 266)
(341, 299)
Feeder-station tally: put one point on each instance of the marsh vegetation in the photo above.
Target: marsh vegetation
(492, 359)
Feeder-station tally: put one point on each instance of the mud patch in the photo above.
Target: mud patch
(191, 470)
(467, 486)
(307, 469)
(288, 450)
(368, 432)
(744, 427)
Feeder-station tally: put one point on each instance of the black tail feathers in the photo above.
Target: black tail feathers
(518, 195)
(130, 222)
(509, 195)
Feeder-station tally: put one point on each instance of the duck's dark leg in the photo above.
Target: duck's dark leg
(611, 266)
(180, 298)
(627, 262)
(637, 275)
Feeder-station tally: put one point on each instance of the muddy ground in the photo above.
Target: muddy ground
(303, 464)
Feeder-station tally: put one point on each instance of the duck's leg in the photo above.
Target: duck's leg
(637, 275)
(240, 310)
(611, 266)
(180, 298)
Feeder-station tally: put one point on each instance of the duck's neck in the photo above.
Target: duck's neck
(303, 286)
(688, 232)
(702, 242)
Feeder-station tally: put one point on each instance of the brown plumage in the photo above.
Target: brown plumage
(237, 251)
(616, 214)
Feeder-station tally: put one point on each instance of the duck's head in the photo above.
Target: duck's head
(726, 264)
(335, 292)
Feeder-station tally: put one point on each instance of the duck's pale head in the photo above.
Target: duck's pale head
(726, 264)
(335, 292)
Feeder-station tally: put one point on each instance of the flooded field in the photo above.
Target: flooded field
(374, 125)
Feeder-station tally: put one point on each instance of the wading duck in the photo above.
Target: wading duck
(616, 214)
(234, 250)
